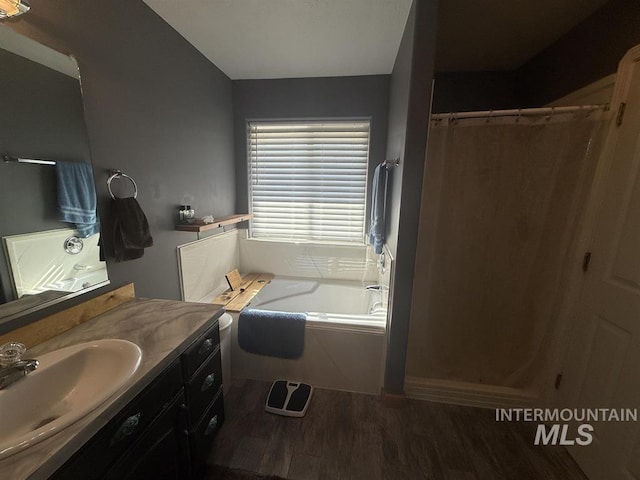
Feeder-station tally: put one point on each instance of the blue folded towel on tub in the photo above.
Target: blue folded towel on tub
(275, 334)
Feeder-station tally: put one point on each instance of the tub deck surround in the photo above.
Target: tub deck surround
(161, 328)
(236, 300)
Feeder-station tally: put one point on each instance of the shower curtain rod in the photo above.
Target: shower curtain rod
(520, 112)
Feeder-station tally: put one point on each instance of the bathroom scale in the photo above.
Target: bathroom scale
(289, 398)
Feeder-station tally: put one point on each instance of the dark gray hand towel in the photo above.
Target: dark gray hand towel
(131, 233)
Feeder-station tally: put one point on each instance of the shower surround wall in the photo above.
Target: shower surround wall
(309, 260)
(501, 207)
(204, 263)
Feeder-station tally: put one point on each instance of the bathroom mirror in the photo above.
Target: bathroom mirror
(42, 117)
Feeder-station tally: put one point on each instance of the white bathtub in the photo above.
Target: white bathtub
(339, 303)
(344, 343)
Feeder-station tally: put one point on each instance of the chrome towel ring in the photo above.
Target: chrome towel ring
(119, 174)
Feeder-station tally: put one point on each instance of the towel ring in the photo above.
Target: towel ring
(119, 174)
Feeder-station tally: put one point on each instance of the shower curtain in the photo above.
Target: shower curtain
(502, 201)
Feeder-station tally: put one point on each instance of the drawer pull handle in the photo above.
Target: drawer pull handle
(206, 346)
(127, 428)
(208, 381)
(211, 427)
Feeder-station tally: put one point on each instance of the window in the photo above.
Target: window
(307, 180)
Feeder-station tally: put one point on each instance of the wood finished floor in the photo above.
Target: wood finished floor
(352, 436)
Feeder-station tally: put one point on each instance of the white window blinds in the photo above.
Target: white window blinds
(308, 180)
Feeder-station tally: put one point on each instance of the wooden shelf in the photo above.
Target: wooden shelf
(236, 300)
(218, 222)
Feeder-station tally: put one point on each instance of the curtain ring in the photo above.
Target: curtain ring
(488, 119)
(553, 111)
(119, 174)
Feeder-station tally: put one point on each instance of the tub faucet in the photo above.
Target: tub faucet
(12, 367)
(377, 307)
(377, 288)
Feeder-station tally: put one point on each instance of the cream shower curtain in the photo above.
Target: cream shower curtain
(502, 201)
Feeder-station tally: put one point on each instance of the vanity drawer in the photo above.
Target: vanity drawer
(124, 429)
(204, 346)
(204, 385)
(201, 439)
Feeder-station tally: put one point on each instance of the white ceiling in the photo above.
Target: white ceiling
(291, 38)
(321, 38)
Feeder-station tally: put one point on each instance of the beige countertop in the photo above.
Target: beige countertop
(161, 328)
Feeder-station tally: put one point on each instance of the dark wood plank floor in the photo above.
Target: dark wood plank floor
(352, 436)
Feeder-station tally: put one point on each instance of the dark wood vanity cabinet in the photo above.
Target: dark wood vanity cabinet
(202, 371)
(161, 452)
(166, 431)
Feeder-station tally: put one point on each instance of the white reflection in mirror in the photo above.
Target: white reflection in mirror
(54, 260)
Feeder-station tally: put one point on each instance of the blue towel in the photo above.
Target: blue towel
(378, 199)
(275, 334)
(77, 197)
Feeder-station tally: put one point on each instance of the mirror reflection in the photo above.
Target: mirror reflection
(43, 258)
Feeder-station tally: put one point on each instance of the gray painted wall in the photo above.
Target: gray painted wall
(589, 52)
(156, 109)
(44, 119)
(471, 91)
(309, 98)
(410, 104)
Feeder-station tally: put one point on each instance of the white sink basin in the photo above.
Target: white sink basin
(68, 384)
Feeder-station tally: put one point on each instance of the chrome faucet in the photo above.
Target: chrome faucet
(377, 307)
(12, 367)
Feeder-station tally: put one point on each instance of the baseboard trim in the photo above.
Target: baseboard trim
(467, 394)
(393, 400)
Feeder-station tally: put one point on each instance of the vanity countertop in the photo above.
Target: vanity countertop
(161, 328)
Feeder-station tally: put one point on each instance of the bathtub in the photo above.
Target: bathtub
(344, 335)
(334, 303)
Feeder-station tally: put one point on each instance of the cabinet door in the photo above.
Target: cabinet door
(201, 438)
(162, 452)
(126, 428)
